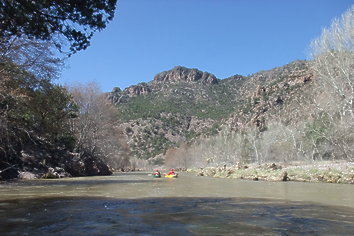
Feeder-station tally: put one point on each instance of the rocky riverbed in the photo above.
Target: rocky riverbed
(326, 172)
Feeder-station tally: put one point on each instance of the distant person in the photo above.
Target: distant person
(157, 173)
(171, 172)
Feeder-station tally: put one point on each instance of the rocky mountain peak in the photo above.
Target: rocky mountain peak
(118, 96)
(183, 74)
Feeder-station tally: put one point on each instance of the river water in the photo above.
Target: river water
(137, 204)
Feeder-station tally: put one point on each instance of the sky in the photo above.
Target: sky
(222, 37)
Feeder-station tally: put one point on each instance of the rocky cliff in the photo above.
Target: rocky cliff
(183, 74)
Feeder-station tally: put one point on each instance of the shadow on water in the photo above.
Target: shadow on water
(92, 181)
(81, 182)
(173, 216)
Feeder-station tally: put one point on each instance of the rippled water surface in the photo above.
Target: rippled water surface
(137, 204)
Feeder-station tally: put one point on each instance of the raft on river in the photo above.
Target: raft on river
(166, 176)
(171, 175)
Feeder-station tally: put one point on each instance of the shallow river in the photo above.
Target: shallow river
(137, 204)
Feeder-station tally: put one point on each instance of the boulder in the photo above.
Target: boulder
(95, 166)
(284, 176)
(27, 175)
(9, 173)
(51, 174)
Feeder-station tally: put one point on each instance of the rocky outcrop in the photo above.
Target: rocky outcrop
(271, 92)
(137, 90)
(118, 96)
(45, 161)
(183, 74)
(52, 173)
(160, 83)
(148, 138)
(94, 166)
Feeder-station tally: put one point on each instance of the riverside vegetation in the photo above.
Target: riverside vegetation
(184, 118)
(327, 172)
(44, 130)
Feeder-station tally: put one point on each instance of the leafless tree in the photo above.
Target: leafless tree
(96, 127)
(333, 63)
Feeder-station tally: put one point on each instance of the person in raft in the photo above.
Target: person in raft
(171, 172)
(157, 173)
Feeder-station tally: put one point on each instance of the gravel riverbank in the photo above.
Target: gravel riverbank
(326, 172)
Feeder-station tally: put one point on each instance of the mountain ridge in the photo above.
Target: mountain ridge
(182, 104)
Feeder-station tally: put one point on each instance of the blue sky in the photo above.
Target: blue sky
(223, 37)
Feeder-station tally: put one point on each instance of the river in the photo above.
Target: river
(137, 204)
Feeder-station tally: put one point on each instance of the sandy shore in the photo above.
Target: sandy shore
(325, 171)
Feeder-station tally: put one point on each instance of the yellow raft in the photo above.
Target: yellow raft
(171, 176)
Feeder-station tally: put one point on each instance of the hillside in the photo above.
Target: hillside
(182, 104)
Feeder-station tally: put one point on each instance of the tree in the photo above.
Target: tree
(34, 112)
(73, 21)
(26, 70)
(96, 127)
(33, 116)
(34, 56)
(333, 63)
(333, 54)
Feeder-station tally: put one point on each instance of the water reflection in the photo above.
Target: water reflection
(176, 216)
